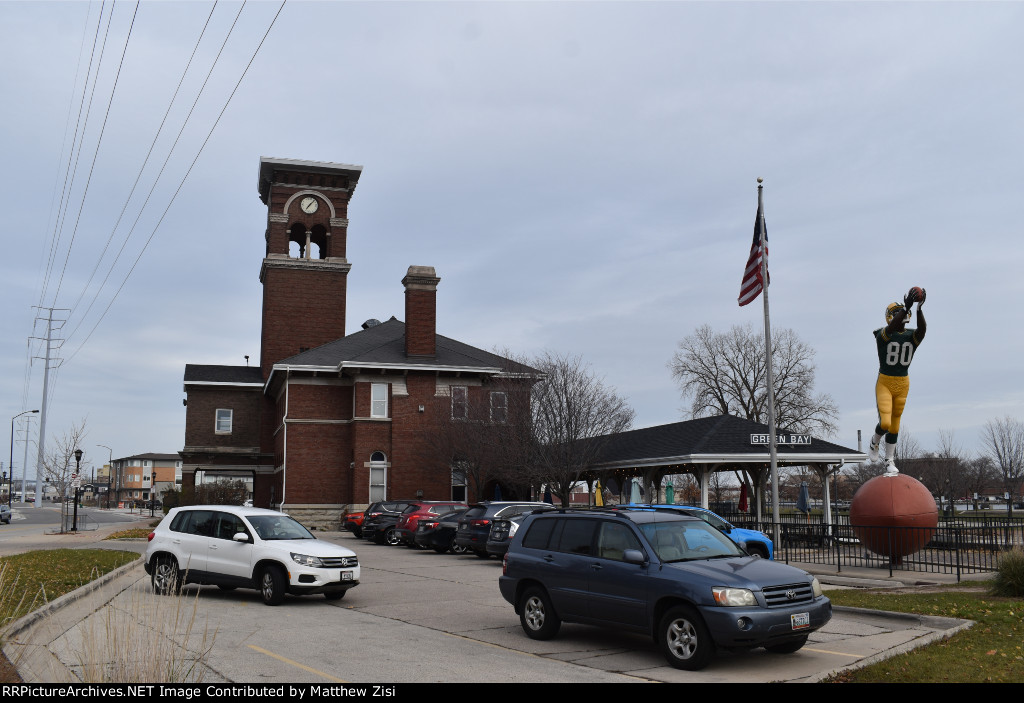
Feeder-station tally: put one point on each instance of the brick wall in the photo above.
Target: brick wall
(302, 309)
(201, 413)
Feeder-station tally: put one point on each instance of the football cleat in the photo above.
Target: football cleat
(890, 467)
(873, 451)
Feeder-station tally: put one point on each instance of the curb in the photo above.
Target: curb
(955, 626)
(26, 621)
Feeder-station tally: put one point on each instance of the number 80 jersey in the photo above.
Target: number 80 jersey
(896, 351)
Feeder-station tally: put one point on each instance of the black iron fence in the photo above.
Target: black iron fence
(956, 546)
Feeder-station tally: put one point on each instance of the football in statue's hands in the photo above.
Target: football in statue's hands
(917, 293)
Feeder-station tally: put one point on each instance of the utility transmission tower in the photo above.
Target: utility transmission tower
(52, 325)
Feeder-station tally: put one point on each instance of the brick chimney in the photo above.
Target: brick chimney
(420, 311)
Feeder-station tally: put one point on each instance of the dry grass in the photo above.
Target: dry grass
(138, 637)
(143, 637)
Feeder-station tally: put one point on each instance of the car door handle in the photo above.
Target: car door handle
(596, 566)
(548, 558)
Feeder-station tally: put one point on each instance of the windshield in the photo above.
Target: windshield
(278, 527)
(687, 540)
(712, 520)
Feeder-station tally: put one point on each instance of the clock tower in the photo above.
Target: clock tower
(304, 272)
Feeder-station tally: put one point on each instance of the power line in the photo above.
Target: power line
(138, 177)
(99, 142)
(183, 179)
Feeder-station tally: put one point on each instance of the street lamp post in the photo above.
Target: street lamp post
(110, 473)
(78, 470)
(11, 464)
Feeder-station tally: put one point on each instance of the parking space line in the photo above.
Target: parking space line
(296, 664)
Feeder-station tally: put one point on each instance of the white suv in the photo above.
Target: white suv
(239, 547)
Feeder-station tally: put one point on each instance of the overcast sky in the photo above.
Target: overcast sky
(582, 176)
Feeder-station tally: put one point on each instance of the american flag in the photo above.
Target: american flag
(752, 281)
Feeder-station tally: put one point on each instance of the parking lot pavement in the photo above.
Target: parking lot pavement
(421, 617)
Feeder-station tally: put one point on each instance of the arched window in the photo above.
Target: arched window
(378, 477)
(318, 248)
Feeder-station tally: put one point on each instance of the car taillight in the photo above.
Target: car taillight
(428, 525)
(504, 565)
(479, 523)
(150, 536)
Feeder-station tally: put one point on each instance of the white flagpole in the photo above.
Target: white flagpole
(773, 443)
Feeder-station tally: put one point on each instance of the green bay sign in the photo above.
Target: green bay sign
(781, 439)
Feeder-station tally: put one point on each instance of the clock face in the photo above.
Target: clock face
(309, 205)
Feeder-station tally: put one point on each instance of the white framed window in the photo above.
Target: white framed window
(499, 407)
(378, 477)
(378, 400)
(223, 422)
(460, 402)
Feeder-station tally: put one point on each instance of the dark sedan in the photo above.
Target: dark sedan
(475, 525)
(439, 533)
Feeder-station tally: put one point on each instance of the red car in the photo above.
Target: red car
(417, 510)
(354, 523)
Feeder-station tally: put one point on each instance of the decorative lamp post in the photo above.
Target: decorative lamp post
(11, 464)
(78, 464)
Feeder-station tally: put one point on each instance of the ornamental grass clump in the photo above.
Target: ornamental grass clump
(141, 637)
(1009, 580)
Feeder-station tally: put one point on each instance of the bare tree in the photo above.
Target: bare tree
(726, 373)
(59, 464)
(1004, 444)
(483, 443)
(573, 412)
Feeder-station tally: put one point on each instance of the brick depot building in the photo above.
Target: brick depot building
(328, 423)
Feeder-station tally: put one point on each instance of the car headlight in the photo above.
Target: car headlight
(816, 587)
(733, 597)
(307, 560)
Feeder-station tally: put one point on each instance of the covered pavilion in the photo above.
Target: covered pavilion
(707, 445)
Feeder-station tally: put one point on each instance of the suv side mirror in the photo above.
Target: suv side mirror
(241, 537)
(634, 556)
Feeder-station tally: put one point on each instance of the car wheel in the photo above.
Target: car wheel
(335, 595)
(481, 554)
(788, 647)
(537, 615)
(684, 639)
(166, 577)
(757, 550)
(391, 537)
(273, 585)
(458, 548)
(440, 550)
(358, 532)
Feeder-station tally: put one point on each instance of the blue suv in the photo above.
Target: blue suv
(659, 572)
(755, 542)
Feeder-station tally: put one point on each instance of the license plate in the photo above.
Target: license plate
(346, 575)
(800, 620)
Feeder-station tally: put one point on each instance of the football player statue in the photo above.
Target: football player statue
(896, 347)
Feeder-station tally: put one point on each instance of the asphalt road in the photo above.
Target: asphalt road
(418, 617)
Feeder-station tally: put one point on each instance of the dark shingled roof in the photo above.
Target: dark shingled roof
(385, 344)
(713, 436)
(208, 373)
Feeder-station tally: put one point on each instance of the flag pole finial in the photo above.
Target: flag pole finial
(760, 180)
